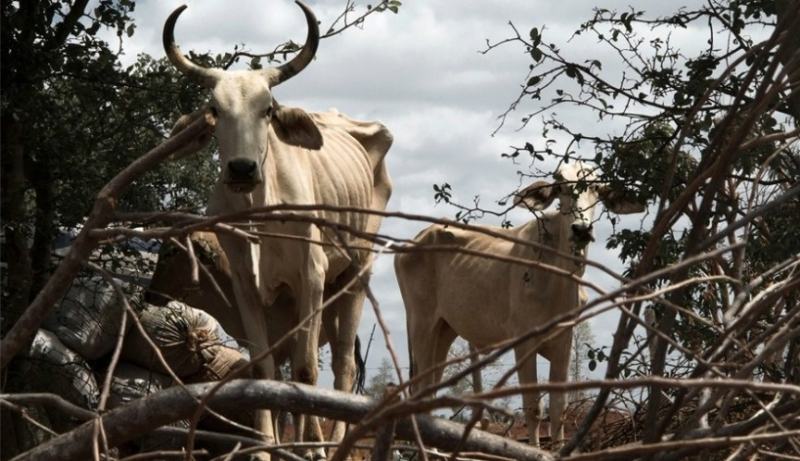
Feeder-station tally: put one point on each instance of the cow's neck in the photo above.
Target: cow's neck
(553, 229)
(286, 176)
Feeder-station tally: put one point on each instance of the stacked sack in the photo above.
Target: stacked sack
(71, 353)
(192, 343)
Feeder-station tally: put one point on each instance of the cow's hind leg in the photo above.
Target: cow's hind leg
(558, 350)
(341, 327)
(531, 405)
(429, 347)
(429, 337)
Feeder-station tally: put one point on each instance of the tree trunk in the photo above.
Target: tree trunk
(786, 8)
(15, 248)
(41, 177)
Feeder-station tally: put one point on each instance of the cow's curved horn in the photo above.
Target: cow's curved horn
(202, 75)
(290, 69)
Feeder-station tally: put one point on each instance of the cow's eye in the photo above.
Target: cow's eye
(214, 111)
(267, 112)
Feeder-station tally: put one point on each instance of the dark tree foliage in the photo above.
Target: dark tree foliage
(72, 117)
(708, 138)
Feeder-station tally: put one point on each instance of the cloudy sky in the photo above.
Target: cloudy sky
(419, 72)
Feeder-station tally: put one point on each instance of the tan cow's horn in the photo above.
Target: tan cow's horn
(202, 75)
(290, 69)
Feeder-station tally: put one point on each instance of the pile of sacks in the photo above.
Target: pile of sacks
(70, 355)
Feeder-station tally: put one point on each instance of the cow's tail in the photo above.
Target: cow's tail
(361, 368)
(411, 370)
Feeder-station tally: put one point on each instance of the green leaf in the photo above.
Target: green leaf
(592, 365)
(536, 54)
(534, 80)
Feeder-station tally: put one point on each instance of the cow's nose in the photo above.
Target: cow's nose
(242, 169)
(582, 232)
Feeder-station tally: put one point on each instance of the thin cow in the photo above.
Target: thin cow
(486, 301)
(270, 155)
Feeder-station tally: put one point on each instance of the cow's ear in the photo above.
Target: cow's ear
(537, 196)
(295, 127)
(616, 202)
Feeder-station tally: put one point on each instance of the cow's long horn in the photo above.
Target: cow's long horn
(202, 75)
(290, 69)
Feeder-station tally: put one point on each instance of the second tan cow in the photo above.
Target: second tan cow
(486, 301)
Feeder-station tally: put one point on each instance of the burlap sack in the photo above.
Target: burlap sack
(50, 366)
(131, 382)
(88, 318)
(190, 340)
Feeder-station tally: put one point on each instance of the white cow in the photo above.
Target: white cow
(271, 154)
(485, 301)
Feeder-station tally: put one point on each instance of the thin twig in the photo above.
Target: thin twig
(5, 403)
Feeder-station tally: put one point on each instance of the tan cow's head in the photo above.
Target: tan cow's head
(578, 191)
(243, 104)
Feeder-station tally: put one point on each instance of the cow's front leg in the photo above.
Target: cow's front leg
(255, 331)
(305, 367)
(244, 261)
(558, 351)
(527, 374)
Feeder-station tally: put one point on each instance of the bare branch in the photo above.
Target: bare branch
(139, 417)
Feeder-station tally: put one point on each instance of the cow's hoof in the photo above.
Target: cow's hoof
(347, 458)
(317, 454)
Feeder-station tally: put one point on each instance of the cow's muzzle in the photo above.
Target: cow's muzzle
(582, 233)
(242, 175)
